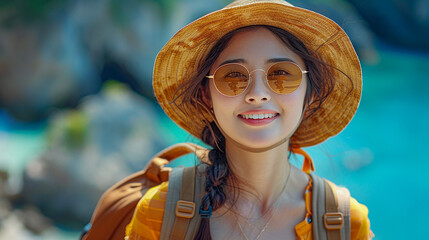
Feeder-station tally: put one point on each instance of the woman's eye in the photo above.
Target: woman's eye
(279, 72)
(235, 75)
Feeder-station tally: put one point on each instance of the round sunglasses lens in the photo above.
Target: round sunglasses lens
(284, 77)
(231, 79)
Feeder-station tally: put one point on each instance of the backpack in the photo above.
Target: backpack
(115, 209)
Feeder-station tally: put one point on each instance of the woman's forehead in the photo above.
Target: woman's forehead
(255, 47)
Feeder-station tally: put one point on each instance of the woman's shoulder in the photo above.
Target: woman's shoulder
(154, 199)
(360, 224)
(147, 218)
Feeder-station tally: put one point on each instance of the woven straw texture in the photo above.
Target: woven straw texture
(181, 57)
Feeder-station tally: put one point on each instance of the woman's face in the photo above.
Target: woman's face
(258, 48)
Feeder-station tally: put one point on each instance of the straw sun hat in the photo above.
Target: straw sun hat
(180, 59)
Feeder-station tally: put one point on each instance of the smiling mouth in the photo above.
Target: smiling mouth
(259, 116)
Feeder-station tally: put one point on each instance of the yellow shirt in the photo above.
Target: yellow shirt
(147, 220)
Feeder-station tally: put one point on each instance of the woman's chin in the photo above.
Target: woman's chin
(259, 143)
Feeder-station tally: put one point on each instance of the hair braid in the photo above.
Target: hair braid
(216, 177)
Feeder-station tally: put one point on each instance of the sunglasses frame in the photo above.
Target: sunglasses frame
(250, 76)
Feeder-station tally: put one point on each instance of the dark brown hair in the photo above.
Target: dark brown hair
(218, 175)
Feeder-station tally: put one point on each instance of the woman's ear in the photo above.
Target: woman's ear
(205, 96)
(308, 101)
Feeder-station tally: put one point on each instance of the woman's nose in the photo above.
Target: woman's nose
(258, 92)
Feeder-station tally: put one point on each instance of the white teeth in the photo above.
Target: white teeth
(259, 116)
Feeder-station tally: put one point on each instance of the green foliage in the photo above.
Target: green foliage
(76, 128)
(113, 86)
(69, 129)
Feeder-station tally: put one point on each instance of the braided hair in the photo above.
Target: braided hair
(217, 175)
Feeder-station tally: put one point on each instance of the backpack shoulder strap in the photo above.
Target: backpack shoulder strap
(181, 218)
(185, 206)
(331, 210)
(173, 195)
(200, 181)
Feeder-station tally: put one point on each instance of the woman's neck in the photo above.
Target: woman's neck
(261, 174)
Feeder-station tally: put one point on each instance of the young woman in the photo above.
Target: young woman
(256, 80)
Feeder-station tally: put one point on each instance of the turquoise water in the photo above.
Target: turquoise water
(19, 144)
(390, 128)
(381, 156)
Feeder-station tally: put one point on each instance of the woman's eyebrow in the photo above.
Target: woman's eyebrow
(274, 60)
(271, 60)
(237, 60)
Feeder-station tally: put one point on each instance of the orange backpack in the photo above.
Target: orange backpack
(115, 209)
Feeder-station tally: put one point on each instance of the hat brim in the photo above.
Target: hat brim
(180, 58)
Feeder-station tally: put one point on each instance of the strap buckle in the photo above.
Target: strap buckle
(333, 220)
(185, 209)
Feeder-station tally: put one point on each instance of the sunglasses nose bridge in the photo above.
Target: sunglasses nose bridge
(258, 69)
(263, 76)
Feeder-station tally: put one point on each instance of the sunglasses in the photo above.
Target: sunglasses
(233, 79)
